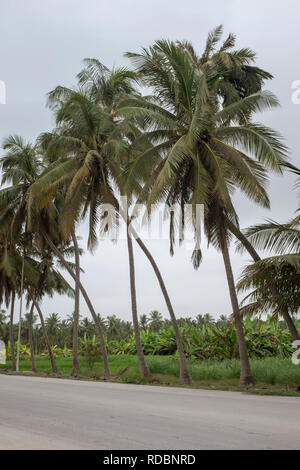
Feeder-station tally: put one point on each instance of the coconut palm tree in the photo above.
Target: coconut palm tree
(144, 320)
(239, 77)
(89, 129)
(282, 274)
(203, 151)
(30, 319)
(11, 331)
(8, 286)
(155, 321)
(52, 325)
(284, 240)
(245, 244)
(21, 166)
(50, 282)
(276, 278)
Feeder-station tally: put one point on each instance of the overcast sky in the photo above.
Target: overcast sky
(42, 44)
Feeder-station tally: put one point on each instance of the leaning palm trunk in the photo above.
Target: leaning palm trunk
(185, 377)
(144, 369)
(11, 332)
(255, 256)
(20, 314)
(31, 345)
(246, 377)
(88, 302)
(76, 366)
(51, 356)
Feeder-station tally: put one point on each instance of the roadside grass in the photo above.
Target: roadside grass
(273, 376)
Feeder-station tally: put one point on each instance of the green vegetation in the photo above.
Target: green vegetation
(272, 375)
(202, 338)
(191, 139)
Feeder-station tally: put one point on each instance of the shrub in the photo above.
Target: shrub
(91, 350)
(24, 351)
(58, 352)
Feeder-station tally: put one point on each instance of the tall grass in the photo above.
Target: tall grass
(269, 371)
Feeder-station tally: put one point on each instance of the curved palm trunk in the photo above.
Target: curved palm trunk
(31, 345)
(246, 377)
(52, 360)
(255, 256)
(11, 332)
(185, 377)
(76, 366)
(89, 304)
(144, 369)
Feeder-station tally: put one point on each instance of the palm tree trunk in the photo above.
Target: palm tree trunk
(246, 377)
(20, 313)
(185, 377)
(11, 332)
(88, 302)
(144, 369)
(76, 367)
(255, 256)
(33, 364)
(52, 360)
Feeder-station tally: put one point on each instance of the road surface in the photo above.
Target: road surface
(45, 413)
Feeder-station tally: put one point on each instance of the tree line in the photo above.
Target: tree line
(203, 337)
(189, 138)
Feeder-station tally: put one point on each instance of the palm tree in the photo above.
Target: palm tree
(155, 321)
(204, 151)
(144, 322)
(52, 324)
(8, 286)
(279, 272)
(99, 329)
(282, 238)
(21, 166)
(9, 283)
(144, 369)
(238, 78)
(76, 367)
(87, 327)
(11, 331)
(245, 244)
(29, 320)
(48, 281)
(206, 319)
(119, 83)
(88, 129)
(222, 320)
(278, 275)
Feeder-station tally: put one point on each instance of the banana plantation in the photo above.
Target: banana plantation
(176, 127)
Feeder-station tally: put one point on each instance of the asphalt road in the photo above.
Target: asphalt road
(42, 413)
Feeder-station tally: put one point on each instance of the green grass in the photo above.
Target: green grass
(272, 375)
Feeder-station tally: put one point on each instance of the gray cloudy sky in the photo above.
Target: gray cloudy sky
(42, 43)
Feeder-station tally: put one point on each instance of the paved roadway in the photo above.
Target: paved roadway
(45, 413)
